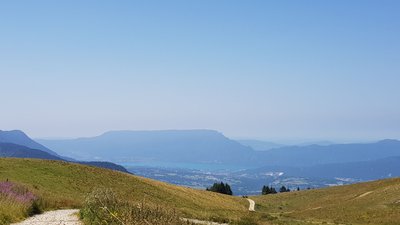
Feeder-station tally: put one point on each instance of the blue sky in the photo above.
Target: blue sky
(272, 70)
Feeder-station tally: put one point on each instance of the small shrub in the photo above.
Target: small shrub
(268, 217)
(34, 208)
(100, 207)
(246, 221)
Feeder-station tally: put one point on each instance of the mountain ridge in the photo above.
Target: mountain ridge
(206, 146)
(209, 146)
(336, 153)
(360, 170)
(20, 138)
(17, 149)
(20, 151)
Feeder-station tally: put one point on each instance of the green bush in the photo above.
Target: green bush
(35, 208)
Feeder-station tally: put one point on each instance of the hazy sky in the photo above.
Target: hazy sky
(262, 69)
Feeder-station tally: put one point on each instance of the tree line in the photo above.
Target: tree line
(271, 190)
(224, 188)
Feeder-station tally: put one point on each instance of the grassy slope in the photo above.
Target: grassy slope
(64, 184)
(376, 202)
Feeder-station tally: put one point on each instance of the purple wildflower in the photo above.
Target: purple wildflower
(16, 192)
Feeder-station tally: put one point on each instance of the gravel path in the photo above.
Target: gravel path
(203, 222)
(57, 217)
(365, 194)
(252, 205)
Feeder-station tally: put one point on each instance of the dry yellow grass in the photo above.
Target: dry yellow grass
(376, 202)
(64, 185)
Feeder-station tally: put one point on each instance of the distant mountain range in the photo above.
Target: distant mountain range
(20, 151)
(367, 161)
(20, 138)
(208, 146)
(267, 145)
(362, 170)
(17, 144)
(367, 170)
(188, 146)
(104, 164)
(260, 145)
(301, 156)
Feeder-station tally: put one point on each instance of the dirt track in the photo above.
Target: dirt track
(57, 217)
(252, 205)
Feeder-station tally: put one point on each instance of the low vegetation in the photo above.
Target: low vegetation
(16, 202)
(103, 206)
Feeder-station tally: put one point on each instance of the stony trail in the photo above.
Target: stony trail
(252, 205)
(57, 217)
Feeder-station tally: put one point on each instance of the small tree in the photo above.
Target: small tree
(228, 189)
(221, 188)
(268, 190)
(265, 190)
(284, 189)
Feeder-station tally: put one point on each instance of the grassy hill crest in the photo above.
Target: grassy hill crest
(64, 185)
(372, 203)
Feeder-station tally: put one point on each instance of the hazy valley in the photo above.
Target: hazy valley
(197, 158)
(60, 181)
